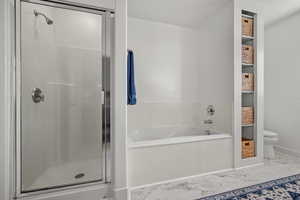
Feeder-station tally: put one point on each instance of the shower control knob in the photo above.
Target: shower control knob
(37, 95)
(211, 110)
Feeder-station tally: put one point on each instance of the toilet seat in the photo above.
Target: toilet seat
(271, 140)
(270, 134)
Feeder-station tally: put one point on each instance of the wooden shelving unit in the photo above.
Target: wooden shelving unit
(248, 131)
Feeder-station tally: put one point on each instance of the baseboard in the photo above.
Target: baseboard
(249, 166)
(180, 179)
(122, 194)
(95, 192)
(287, 151)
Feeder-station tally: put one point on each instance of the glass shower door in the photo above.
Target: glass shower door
(60, 97)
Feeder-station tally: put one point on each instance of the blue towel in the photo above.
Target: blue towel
(131, 92)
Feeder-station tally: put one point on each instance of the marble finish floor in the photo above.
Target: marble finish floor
(195, 188)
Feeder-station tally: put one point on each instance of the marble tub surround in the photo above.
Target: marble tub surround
(178, 114)
(170, 139)
(177, 75)
(282, 166)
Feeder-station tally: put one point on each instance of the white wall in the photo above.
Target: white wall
(171, 11)
(272, 10)
(282, 96)
(180, 71)
(6, 9)
(2, 80)
(119, 103)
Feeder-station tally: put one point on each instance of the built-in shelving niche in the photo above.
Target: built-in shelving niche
(249, 131)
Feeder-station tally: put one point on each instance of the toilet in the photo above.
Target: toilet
(270, 140)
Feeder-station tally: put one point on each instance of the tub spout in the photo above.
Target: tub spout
(208, 121)
(208, 132)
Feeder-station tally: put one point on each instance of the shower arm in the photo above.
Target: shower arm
(48, 20)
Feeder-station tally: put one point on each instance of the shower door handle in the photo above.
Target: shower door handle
(37, 95)
(102, 97)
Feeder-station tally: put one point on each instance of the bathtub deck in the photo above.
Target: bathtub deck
(284, 165)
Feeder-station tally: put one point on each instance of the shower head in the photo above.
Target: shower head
(48, 20)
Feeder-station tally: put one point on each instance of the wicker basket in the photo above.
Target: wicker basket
(248, 82)
(247, 115)
(247, 54)
(248, 148)
(247, 26)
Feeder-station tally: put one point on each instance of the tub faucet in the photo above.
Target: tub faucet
(211, 110)
(207, 132)
(208, 121)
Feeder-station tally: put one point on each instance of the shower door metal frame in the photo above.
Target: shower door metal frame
(107, 49)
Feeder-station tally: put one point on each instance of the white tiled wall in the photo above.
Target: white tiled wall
(180, 71)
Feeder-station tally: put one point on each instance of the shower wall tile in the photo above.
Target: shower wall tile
(191, 114)
(144, 116)
(179, 72)
(139, 117)
(165, 114)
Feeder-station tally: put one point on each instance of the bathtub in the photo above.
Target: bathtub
(167, 154)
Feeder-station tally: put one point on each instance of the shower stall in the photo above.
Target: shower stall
(63, 76)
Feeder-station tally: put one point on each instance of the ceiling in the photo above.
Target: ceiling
(178, 12)
(273, 10)
(192, 12)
